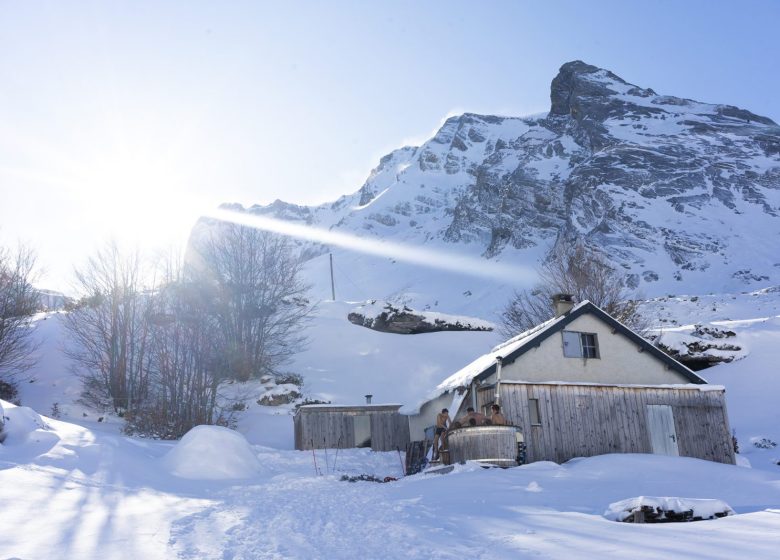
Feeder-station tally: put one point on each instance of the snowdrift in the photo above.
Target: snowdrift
(212, 453)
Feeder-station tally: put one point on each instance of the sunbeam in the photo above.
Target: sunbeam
(438, 259)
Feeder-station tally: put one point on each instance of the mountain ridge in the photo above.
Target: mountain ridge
(666, 188)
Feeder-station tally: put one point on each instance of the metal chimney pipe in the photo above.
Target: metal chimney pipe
(368, 399)
(499, 363)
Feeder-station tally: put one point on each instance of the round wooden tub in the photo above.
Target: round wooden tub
(496, 445)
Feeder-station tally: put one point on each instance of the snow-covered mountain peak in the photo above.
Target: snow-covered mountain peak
(669, 189)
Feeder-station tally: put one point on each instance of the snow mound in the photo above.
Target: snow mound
(669, 508)
(212, 453)
(18, 423)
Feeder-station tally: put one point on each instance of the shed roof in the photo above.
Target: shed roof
(313, 408)
(512, 349)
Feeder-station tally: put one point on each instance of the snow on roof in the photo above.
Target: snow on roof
(359, 405)
(464, 376)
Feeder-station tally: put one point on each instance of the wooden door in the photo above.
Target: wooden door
(660, 426)
(362, 426)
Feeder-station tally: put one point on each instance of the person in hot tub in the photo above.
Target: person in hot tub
(473, 418)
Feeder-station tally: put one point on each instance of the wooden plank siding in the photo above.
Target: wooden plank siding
(334, 427)
(586, 420)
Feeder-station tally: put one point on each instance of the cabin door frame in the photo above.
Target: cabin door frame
(660, 428)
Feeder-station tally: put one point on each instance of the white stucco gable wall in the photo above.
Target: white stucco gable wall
(619, 361)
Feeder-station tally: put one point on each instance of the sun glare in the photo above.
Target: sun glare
(138, 199)
(438, 259)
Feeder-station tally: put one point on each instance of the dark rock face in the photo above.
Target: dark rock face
(406, 321)
(278, 399)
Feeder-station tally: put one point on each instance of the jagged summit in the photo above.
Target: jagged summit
(669, 189)
(577, 82)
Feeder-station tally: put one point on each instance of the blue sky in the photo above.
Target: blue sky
(127, 118)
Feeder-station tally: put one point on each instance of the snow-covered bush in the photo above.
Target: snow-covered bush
(8, 391)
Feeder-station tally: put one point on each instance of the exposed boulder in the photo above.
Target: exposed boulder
(386, 317)
(701, 346)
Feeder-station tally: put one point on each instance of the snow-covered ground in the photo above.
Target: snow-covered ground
(73, 492)
(76, 487)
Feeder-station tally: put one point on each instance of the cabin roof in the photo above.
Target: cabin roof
(512, 349)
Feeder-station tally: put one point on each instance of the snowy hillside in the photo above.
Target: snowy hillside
(344, 362)
(210, 496)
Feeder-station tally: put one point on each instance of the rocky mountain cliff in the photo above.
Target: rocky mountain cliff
(670, 189)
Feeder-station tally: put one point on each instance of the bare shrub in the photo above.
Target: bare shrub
(109, 334)
(573, 269)
(18, 303)
(261, 302)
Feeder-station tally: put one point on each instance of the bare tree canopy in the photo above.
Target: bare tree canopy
(572, 269)
(18, 303)
(185, 363)
(157, 352)
(261, 301)
(109, 336)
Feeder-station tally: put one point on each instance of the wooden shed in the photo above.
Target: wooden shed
(561, 421)
(378, 426)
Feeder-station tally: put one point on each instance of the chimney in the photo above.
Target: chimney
(368, 399)
(499, 363)
(562, 303)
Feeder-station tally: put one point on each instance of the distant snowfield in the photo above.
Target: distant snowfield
(77, 488)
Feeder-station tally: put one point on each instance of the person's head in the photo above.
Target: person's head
(470, 409)
(496, 408)
(444, 411)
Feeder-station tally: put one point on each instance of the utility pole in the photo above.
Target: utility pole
(332, 285)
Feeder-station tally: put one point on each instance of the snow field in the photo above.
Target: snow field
(107, 496)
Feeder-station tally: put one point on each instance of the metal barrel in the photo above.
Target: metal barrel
(495, 445)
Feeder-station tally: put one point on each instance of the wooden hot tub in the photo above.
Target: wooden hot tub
(496, 445)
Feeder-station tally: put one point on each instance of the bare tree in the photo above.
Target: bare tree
(18, 303)
(109, 334)
(261, 303)
(185, 365)
(576, 270)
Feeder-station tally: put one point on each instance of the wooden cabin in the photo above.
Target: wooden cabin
(583, 384)
(378, 426)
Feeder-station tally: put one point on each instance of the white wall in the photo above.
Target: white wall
(619, 362)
